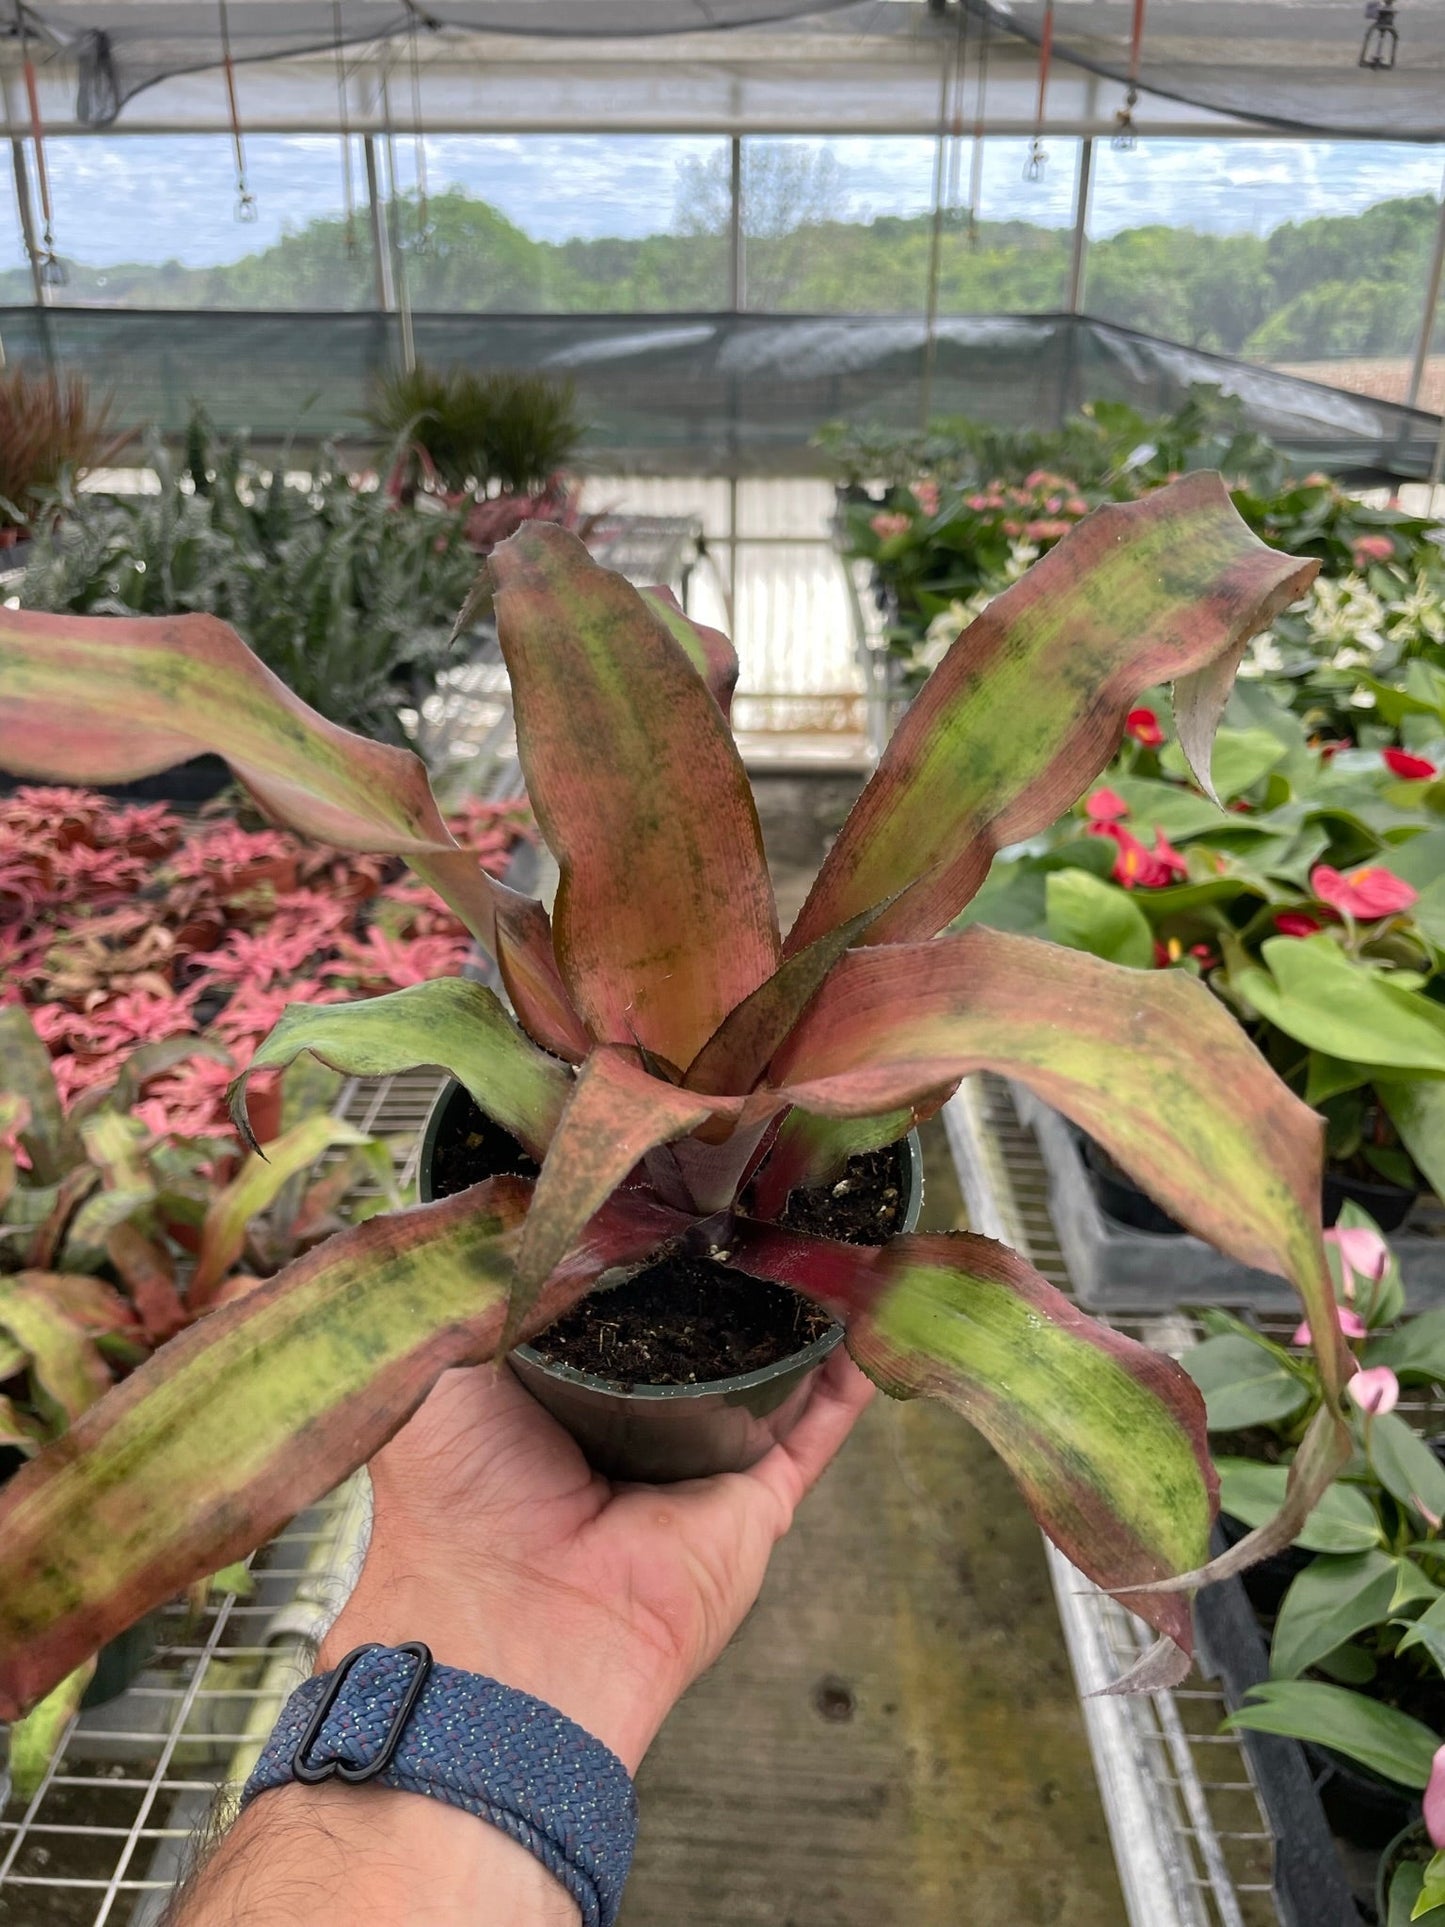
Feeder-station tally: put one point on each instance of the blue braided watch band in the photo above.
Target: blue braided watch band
(390, 1714)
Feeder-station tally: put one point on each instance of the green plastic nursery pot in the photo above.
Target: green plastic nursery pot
(662, 1433)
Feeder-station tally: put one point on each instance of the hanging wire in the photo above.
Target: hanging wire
(1038, 159)
(975, 170)
(423, 205)
(343, 115)
(1126, 135)
(945, 170)
(245, 199)
(49, 267)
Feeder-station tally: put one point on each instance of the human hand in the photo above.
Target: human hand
(496, 1544)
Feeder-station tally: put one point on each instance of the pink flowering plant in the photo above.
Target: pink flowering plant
(1357, 1639)
(1310, 898)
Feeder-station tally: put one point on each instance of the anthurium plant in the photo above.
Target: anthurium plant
(1310, 898)
(678, 1067)
(1357, 1647)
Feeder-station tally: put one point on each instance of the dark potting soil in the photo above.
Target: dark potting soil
(687, 1320)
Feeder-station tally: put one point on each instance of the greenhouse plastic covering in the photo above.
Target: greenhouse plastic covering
(1292, 65)
(702, 394)
(731, 65)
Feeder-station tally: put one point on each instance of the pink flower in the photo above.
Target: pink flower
(1143, 726)
(1044, 529)
(1375, 1389)
(1401, 763)
(1137, 865)
(926, 496)
(1350, 1322)
(1366, 893)
(1363, 1253)
(1296, 923)
(1105, 806)
(886, 526)
(1372, 548)
(1435, 1800)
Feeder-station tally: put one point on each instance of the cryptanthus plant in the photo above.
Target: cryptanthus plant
(678, 1067)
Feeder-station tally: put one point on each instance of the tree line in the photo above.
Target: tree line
(1324, 288)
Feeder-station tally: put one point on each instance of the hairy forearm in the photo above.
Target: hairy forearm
(373, 1857)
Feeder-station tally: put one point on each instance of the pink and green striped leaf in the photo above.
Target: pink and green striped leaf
(1029, 704)
(615, 1115)
(67, 1369)
(261, 1407)
(1148, 1062)
(451, 1022)
(708, 650)
(51, 1141)
(103, 699)
(1105, 1437)
(664, 917)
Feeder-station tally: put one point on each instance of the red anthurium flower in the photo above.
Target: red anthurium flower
(1166, 854)
(1366, 893)
(1401, 763)
(1296, 923)
(1106, 806)
(1143, 726)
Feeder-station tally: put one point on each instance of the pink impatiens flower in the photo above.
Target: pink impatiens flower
(885, 525)
(1375, 1389)
(1371, 548)
(1350, 1322)
(1366, 893)
(926, 496)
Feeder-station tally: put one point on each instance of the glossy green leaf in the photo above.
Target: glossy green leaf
(1105, 1437)
(258, 1409)
(1027, 707)
(1414, 1350)
(1428, 1631)
(1148, 1062)
(451, 1022)
(1240, 757)
(1416, 1108)
(1388, 1742)
(1313, 992)
(665, 919)
(1242, 1384)
(1406, 1466)
(1333, 1599)
(1086, 913)
(1343, 1521)
(103, 699)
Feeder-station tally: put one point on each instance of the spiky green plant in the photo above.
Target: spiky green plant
(505, 430)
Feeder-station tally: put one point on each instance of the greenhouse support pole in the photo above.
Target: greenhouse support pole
(1432, 302)
(737, 260)
(1079, 256)
(27, 229)
(380, 252)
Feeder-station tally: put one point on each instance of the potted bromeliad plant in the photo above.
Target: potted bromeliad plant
(678, 1072)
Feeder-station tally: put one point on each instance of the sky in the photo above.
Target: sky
(151, 198)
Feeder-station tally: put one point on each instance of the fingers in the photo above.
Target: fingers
(794, 1467)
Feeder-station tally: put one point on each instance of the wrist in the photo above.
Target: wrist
(513, 1628)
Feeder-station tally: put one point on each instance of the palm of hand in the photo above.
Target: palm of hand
(660, 1576)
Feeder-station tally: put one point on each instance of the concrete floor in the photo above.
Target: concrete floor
(893, 1739)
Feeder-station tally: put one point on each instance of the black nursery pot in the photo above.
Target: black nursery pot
(1361, 1806)
(645, 1432)
(1266, 1584)
(1412, 1843)
(1388, 1204)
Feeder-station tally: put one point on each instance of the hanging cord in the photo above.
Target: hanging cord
(48, 265)
(1038, 159)
(1126, 135)
(343, 115)
(423, 204)
(245, 199)
(975, 171)
(949, 107)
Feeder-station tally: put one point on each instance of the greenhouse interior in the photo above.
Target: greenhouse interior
(722, 962)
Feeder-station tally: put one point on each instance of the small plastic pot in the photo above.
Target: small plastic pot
(1266, 1584)
(1362, 1807)
(1120, 1198)
(661, 1433)
(1388, 1204)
